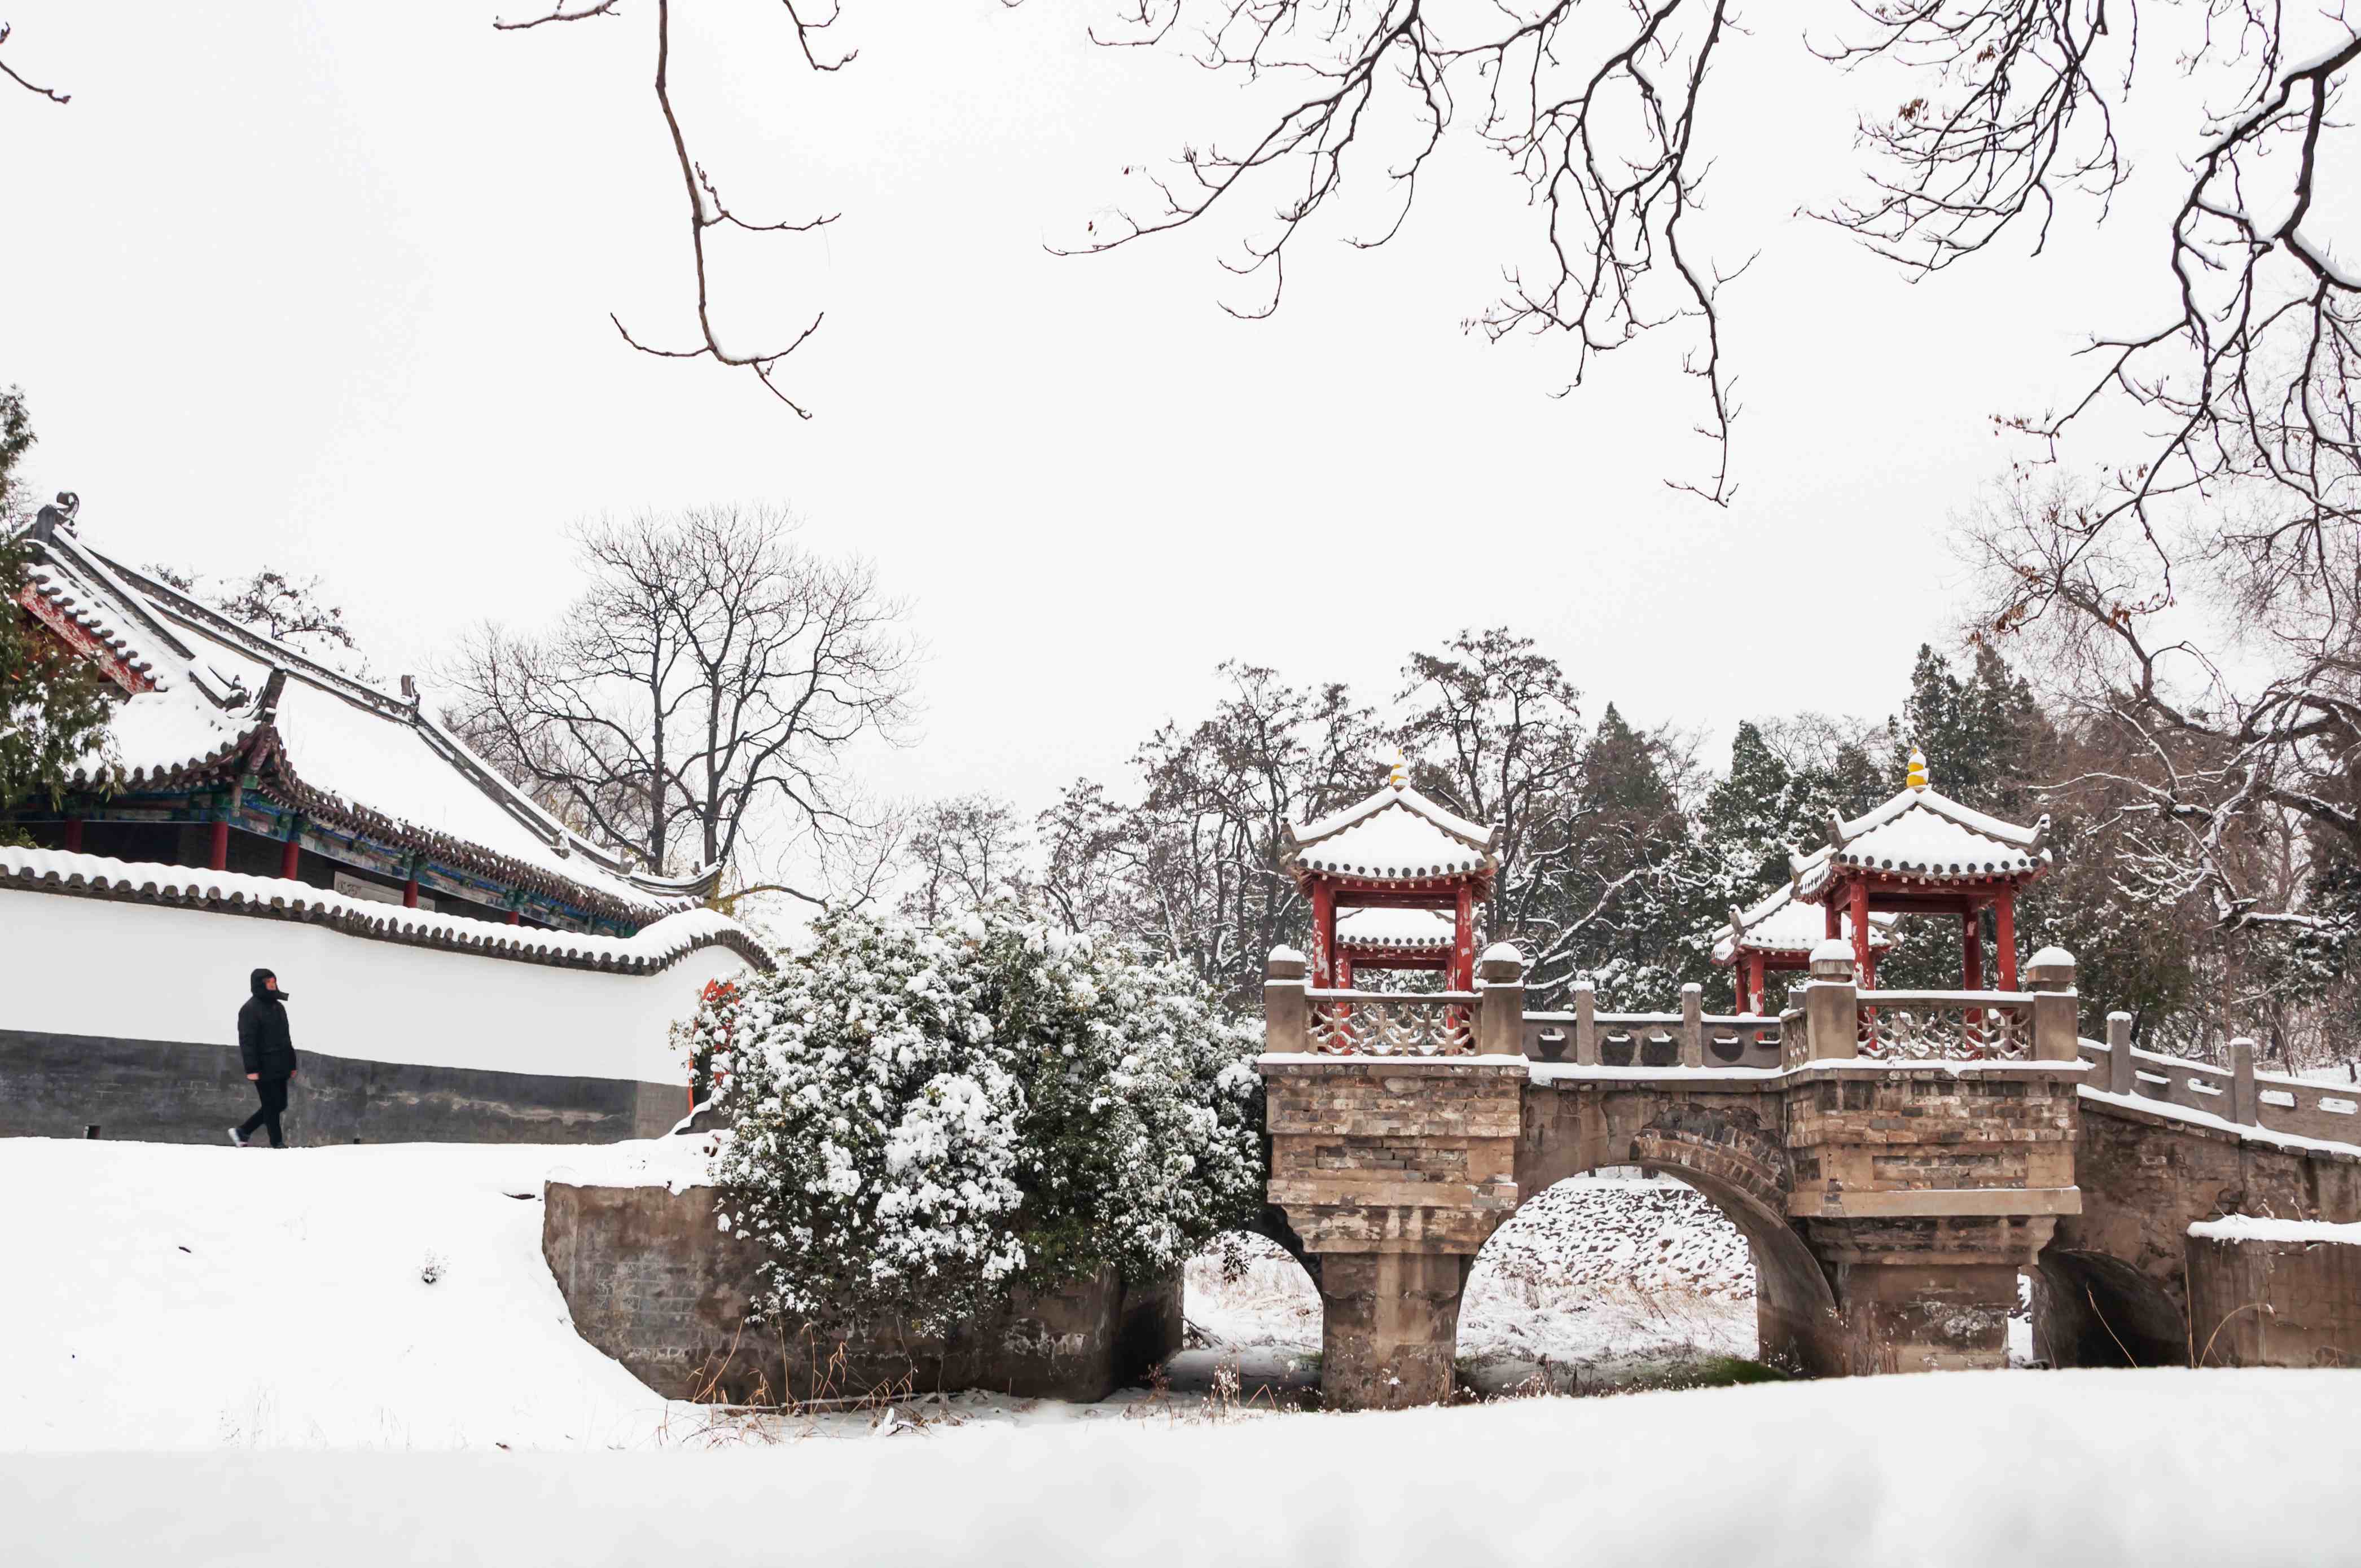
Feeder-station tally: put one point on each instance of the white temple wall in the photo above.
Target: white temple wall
(73, 966)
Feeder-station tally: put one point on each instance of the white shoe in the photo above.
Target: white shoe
(235, 1139)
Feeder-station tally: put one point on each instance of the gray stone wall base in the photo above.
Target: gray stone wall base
(161, 1091)
(652, 1281)
(2275, 1303)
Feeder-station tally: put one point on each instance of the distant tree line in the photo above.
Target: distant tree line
(1624, 849)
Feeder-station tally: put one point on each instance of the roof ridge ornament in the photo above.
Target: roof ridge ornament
(1398, 776)
(1916, 776)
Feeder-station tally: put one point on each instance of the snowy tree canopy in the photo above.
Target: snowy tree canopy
(928, 1114)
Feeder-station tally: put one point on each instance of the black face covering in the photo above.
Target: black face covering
(257, 979)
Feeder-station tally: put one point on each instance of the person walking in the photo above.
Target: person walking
(268, 1052)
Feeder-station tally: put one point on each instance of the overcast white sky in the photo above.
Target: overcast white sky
(325, 288)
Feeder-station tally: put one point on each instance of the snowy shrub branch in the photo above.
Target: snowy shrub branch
(926, 1115)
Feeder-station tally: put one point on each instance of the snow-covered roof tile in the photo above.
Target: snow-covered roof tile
(655, 945)
(1780, 924)
(1395, 928)
(1929, 837)
(376, 756)
(1395, 835)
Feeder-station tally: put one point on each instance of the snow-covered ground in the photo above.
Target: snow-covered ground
(2090, 1468)
(196, 1344)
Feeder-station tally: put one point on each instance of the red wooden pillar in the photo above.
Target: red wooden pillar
(1862, 963)
(1971, 948)
(1463, 940)
(1833, 917)
(2004, 937)
(1738, 982)
(410, 894)
(514, 919)
(1323, 933)
(219, 860)
(74, 835)
(290, 858)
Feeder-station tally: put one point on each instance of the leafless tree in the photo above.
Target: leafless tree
(707, 210)
(2225, 717)
(702, 690)
(51, 94)
(286, 609)
(961, 851)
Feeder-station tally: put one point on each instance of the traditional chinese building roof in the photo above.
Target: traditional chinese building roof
(209, 702)
(1924, 837)
(1783, 926)
(1396, 836)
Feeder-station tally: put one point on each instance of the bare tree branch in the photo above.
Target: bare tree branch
(707, 210)
(53, 95)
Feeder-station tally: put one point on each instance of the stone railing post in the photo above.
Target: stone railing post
(2049, 975)
(1286, 1012)
(1586, 1024)
(2123, 1077)
(2243, 1108)
(1832, 1011)
(1500, 1001)
(1692, 1024)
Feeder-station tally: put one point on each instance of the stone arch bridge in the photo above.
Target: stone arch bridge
(1895, 1159)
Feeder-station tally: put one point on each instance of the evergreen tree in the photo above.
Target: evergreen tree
(54, 706)
(1634, 859)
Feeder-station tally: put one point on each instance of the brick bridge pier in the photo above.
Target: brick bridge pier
(1894, 1158)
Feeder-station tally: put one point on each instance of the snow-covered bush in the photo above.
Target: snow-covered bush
(925, 1116)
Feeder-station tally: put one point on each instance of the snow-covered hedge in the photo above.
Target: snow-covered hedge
(925, 1116)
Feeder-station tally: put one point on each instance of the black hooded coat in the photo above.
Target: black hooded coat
(262, 1038)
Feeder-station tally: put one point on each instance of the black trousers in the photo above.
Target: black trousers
(274, 1101)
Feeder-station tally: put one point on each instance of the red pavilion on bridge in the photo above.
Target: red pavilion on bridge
(1394, 883)
(1778, 937)
(1923, 853)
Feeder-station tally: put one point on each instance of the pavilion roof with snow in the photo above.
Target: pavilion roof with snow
(230, 751)
(1923, 853)
(1387, 874)
(1778, 934)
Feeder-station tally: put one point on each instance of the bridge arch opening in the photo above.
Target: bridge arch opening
(2094, 1310)
(1251, 1314)
(1635, 1271)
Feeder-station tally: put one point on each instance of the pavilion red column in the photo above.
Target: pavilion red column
(219, 858)
(290, 858)
(1862, 963)
(74, 835)
(1739, 971)
(1971, 948)
(1462, 941)
(410, 894)
(1834, 918)
(1324, 935)
(2004, 937)
(515, 919)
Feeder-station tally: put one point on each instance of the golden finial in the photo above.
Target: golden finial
(1917, 775)
(1400, 776)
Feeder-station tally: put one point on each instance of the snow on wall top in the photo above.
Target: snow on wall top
(655, 947)
(1395, 835)
(2251, 1228)
(376, 755)
(1925, 835)
(1782, 925)
(1395, 928)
